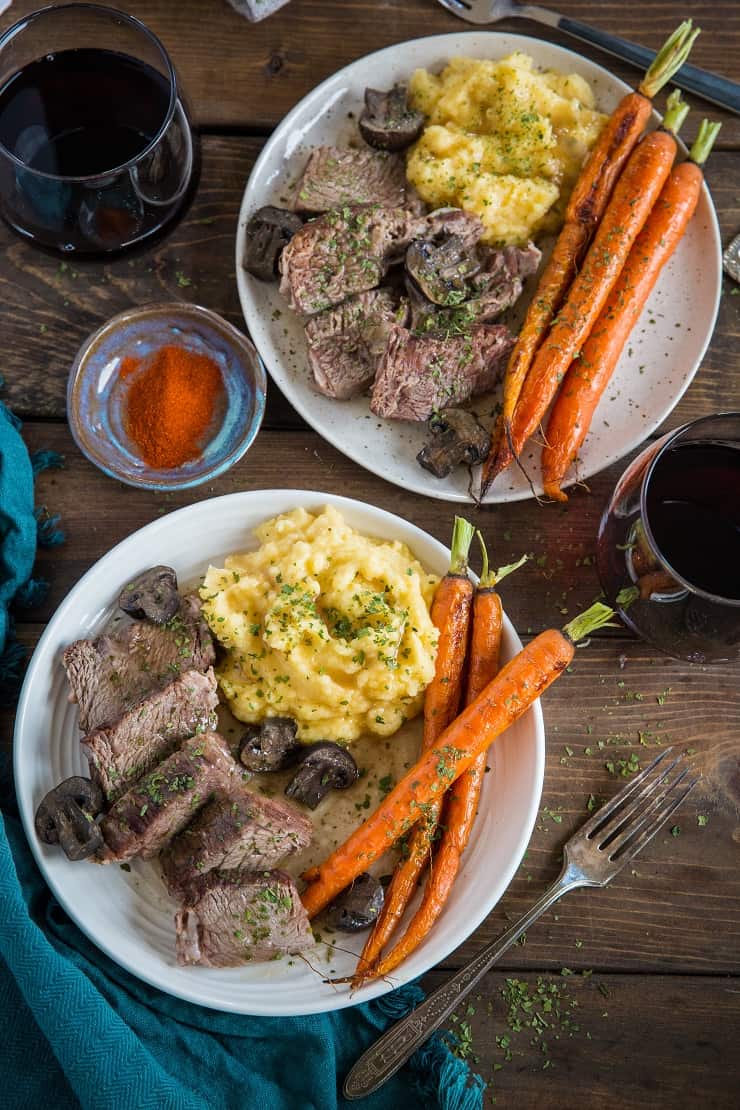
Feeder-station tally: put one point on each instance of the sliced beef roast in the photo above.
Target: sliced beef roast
(335, 176)
(243, 830)
(349, 250)
(125, 751)
(345, 343)
(111, 674)
(234, 917)
(418, 375)
(159, 805)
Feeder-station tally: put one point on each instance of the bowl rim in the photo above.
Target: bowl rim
(230, 333)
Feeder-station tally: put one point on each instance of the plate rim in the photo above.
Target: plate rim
(631, 443)
(38, 659)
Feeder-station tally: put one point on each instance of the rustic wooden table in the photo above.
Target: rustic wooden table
(647, 972)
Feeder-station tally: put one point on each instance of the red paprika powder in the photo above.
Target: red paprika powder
(171, 404)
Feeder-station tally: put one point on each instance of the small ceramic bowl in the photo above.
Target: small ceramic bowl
(96, 392)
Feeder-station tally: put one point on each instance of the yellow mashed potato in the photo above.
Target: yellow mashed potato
(324, 625)
(503, 140)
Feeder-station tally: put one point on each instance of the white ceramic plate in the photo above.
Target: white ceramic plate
(661, 358)
(129, 916)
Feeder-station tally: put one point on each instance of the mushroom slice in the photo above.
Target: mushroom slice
(323, 767)
(457, 438)
(152, 596)
(271, 745)
(67, 815)
(358, 906)
(441, 271)
(268, 231)
(388, 122)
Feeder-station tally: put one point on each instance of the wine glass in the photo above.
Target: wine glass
(668, 550)
(97, 151)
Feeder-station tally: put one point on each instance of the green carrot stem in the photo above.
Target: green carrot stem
(596, 616)
(509, 568)
(704, 141)
(669, 59)
(488, 578)
(462, 537)
(676, 112)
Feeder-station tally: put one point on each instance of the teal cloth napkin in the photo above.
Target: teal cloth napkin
(79, 1030)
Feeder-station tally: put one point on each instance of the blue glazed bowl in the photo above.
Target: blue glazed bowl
(96, 393)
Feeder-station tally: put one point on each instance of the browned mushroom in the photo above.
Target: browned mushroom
(268, 231)
(271, 745)
(388, 122)
(152, 596)
(358, 905)
(442, 270)
(457, 438)
(67, 815)
(323, 767)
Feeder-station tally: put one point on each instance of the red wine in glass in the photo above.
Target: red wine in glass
(96, 148)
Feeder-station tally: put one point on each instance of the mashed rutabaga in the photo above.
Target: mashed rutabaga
(325, 625)
(504, 140)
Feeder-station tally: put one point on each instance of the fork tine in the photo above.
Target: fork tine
(602, 815)
(660, 819)
(637, 805)
(456, 6)
(630, 827)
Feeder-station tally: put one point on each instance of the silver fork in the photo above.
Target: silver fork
(592, 857)
(718, 90)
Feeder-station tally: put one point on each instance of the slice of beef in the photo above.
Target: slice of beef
(111, 674)
(416, 375)
(345, 343)
(235, 917)
(335, 176)
(349, 250)
(239, 831)
(143, 736)
(162, 803)
(346, 251)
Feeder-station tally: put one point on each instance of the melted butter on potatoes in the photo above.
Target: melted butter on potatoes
(325, 625)
(504, 140)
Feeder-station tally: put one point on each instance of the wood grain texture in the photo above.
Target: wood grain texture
(238, 74)
(660, 1042)
(47, 308)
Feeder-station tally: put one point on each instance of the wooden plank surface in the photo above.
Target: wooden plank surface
(48, 307)
(238, 74)
(622, 1042)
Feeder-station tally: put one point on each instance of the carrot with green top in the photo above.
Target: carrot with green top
(633, 199)
(585, 209)
(450, 613)
(461, 800)
(504, 700)
(590, 372)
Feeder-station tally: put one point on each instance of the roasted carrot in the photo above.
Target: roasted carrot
(591, 370)
(450, 613)
(585, 209)
(504, 700)
(461, 800)
(632, 201)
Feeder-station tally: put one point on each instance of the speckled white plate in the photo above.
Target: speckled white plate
(129, 915)
(661, 358)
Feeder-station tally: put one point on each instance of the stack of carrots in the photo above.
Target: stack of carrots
(435, 804)
(625, 217)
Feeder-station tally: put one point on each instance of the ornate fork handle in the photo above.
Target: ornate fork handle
(392, 1050)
